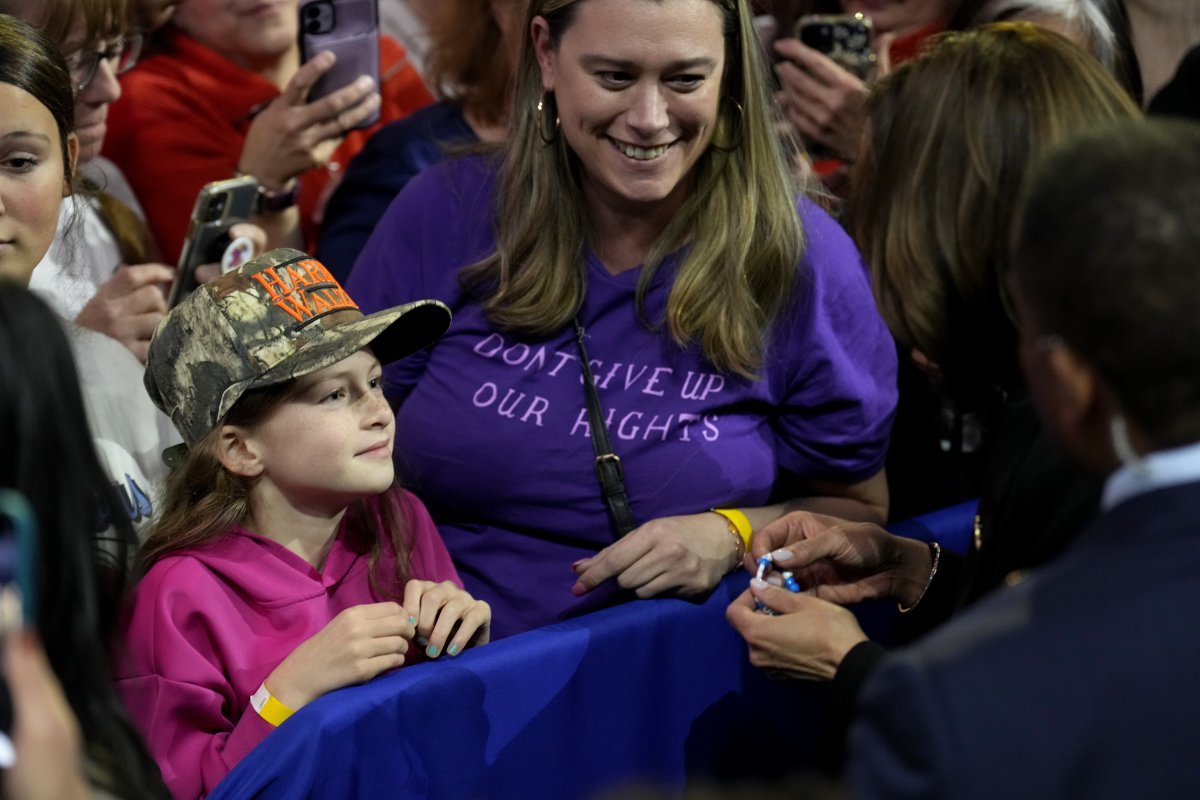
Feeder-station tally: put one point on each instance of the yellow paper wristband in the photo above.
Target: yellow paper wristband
(267, 707)
(738, 522)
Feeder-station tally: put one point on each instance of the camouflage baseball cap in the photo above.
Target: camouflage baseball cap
(277, 317)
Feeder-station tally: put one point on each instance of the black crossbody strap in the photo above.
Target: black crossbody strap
(608, 467)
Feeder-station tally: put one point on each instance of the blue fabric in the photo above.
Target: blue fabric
(652, 690)
(658, 690)
(950, 527)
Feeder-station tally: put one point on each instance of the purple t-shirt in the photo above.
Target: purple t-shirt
(492, 428)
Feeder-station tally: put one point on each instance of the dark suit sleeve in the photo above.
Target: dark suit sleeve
(844, 690)
(896, 747)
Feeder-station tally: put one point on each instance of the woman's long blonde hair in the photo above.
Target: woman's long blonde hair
(739, 225)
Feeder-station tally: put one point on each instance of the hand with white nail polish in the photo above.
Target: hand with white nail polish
(844, 562)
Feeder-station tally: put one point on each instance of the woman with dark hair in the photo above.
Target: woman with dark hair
(1079, 681)
(951, 135)
(81, 575)
(40, 145)
(48, 455)
(470, 64)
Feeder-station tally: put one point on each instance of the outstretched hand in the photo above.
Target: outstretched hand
(843, 562)
(686, 555)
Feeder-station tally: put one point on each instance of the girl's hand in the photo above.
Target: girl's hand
(686, 555)
(448, 619)
(356, 645)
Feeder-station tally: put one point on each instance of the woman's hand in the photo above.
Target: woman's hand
(45, 733)
(448, 619)
(128, 306)
(807, 637)
(844, 562)
(292, 135)
(820, 98)
(355, 646)
(685, 555)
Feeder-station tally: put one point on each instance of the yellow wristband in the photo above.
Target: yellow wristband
(739, 523)
(267, 707)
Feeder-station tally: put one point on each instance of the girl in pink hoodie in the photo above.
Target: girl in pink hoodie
(286, 561)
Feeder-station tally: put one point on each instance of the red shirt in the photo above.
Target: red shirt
(182, 120)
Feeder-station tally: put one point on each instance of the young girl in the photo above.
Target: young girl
(286, 562)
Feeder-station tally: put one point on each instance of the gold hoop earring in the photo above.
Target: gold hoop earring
(542, 107)
(740, 127)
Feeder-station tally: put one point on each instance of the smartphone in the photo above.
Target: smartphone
(349, 28)
(219, 206)
(845, 38)
(18, 592)
(18, 560)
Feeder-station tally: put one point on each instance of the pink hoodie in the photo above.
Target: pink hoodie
(206, 626)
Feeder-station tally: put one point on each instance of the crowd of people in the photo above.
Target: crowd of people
(637, 293)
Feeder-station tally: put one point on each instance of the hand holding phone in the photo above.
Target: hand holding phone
(219, 206)
(845, 38)
(822, 93)
(350, 29)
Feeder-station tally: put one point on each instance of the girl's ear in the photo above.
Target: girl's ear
(237, 452)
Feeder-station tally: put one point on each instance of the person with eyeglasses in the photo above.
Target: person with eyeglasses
(225, 92)
(121, 55)
(102, 273)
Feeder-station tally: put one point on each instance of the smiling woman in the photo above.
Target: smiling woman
(638, 125)
(639, 219)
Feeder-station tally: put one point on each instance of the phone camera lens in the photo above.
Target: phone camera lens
(216, 208)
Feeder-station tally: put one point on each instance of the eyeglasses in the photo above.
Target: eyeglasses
(121, 55)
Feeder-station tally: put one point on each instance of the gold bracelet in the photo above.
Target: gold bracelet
(738, 526)
(935, 550)
(268, 707)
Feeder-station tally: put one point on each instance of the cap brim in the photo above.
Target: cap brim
(392, 334)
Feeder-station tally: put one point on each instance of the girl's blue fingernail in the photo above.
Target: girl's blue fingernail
(452, 649)
(421, 640)
(431, 651)
(412, 620)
